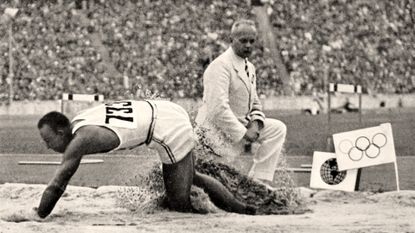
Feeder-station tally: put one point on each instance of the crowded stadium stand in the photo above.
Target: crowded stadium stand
(124, 48)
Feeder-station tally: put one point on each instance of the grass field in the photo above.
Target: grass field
(128, 170)
(305, 133)
(20, 140)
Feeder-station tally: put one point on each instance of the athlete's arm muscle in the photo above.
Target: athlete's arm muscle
(88, 140)
(70, 163)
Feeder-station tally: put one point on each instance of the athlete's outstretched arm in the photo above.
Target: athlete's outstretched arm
(56, 187)
(87, 140)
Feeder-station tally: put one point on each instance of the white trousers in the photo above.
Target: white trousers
(271, 141)
(265, 158)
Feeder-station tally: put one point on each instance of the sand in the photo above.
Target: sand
(98, 210)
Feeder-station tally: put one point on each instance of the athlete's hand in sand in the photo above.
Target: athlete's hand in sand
(24, 215)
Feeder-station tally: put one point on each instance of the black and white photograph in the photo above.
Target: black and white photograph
(202, 116)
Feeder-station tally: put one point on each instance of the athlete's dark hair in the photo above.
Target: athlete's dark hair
(55, 120)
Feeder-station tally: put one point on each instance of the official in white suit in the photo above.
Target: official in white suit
(231, 110)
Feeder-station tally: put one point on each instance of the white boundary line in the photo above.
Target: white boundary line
(88, 156)
(294, 169)
(36, 162)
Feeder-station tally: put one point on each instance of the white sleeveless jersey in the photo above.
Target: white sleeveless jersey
(132, 121)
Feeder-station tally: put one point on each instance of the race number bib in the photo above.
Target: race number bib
(120, 114)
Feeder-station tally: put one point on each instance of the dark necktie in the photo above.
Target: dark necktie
(246, 68)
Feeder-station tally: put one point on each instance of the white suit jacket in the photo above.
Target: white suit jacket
(230, 98)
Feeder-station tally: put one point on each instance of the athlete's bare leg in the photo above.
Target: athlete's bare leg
(178, 179)
(220, 195)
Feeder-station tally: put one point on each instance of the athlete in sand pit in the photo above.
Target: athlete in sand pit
(161, 125)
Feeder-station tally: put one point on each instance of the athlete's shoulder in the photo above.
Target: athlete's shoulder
(88, 131)
(96, 138)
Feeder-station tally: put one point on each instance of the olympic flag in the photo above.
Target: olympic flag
(366, 147)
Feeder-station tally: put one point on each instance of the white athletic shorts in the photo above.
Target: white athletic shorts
(173, 135)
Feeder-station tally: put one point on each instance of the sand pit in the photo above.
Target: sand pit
(97, 210)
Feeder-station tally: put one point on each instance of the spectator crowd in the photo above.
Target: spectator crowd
(365, 42)
(121, 48)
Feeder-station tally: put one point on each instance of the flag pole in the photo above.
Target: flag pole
(11, 92)
(396, 176)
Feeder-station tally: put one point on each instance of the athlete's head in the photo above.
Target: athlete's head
(243, 37)
(55, 130)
